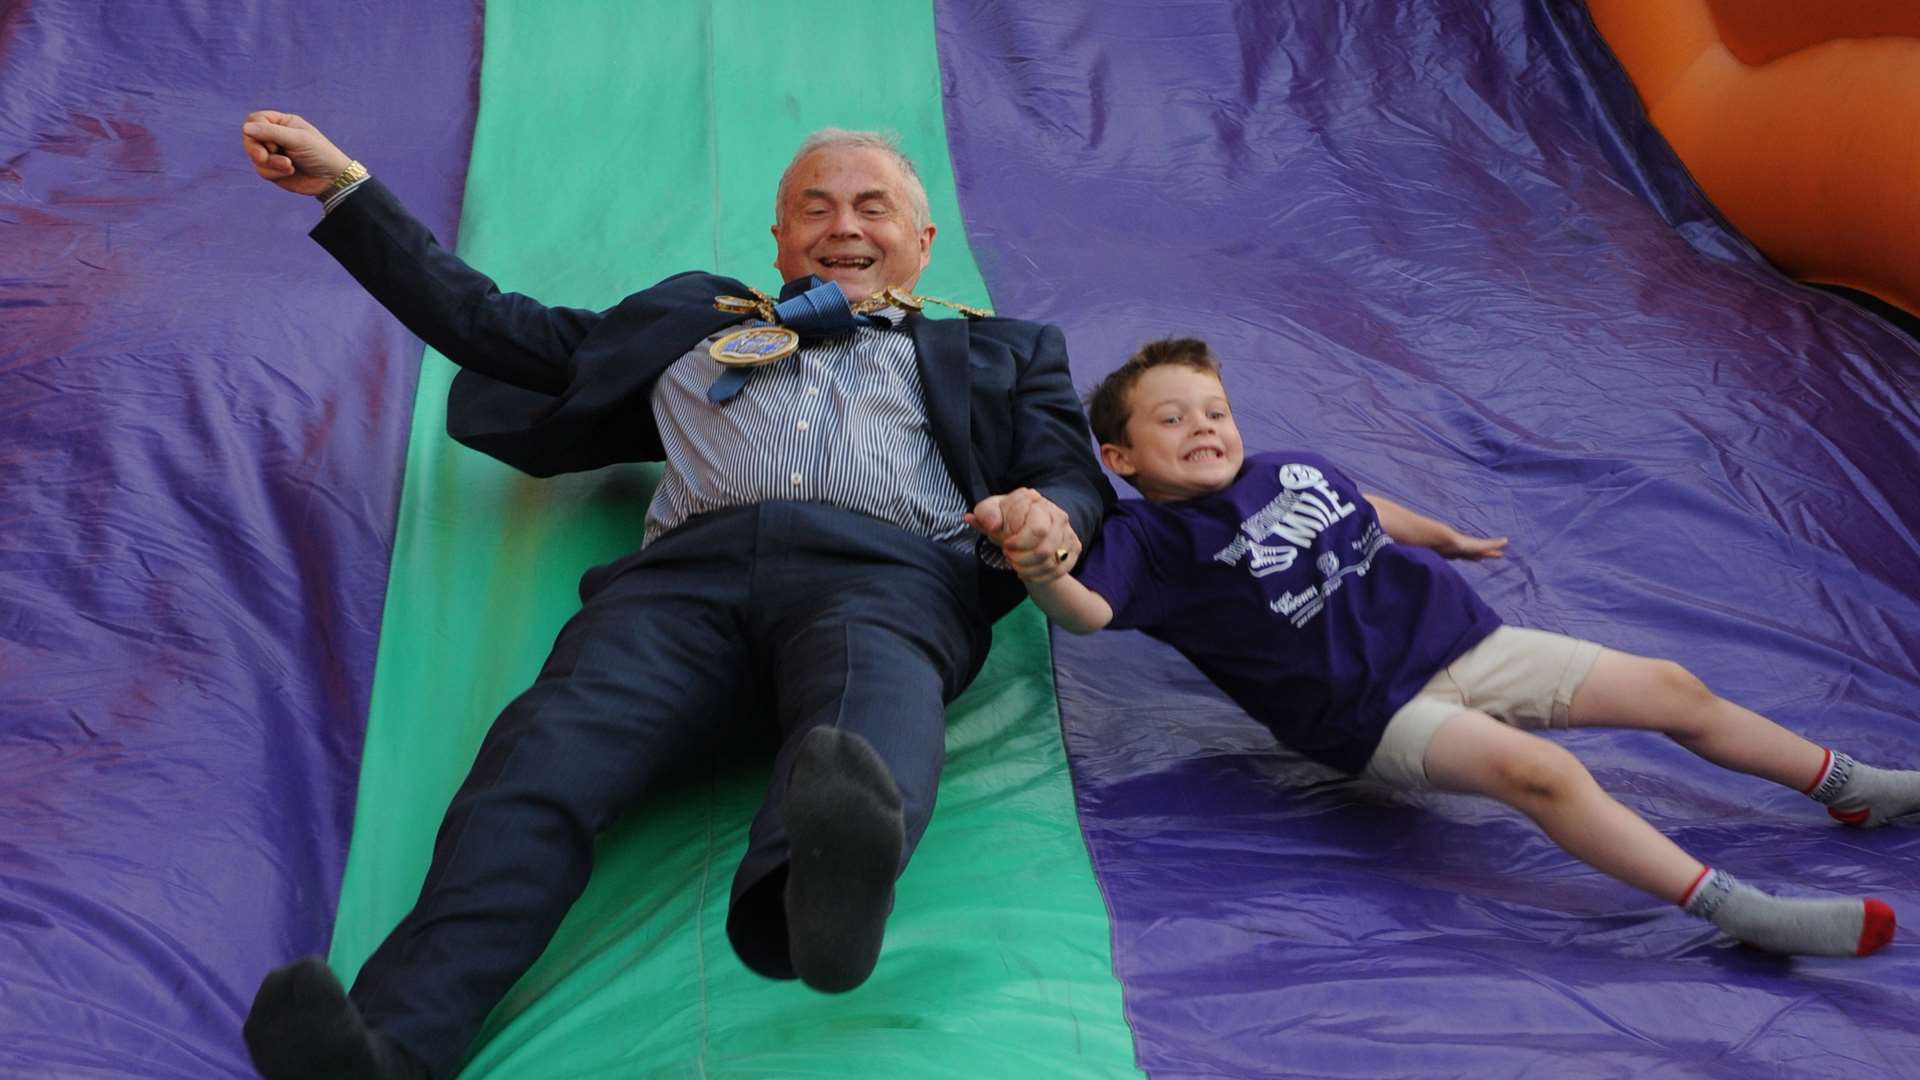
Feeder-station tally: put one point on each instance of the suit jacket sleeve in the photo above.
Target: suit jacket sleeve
(459, 311)
(1052, 446)
(547, 390)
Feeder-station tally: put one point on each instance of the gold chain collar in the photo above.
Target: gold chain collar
(761, 304)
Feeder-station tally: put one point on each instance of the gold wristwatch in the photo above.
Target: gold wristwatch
(349, 176)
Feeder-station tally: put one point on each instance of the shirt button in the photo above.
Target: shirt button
(801, 426)
(813, 391)
(796, 478)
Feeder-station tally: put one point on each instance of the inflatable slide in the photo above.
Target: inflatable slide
(256, 609)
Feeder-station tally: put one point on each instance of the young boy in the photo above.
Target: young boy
(1330, 615)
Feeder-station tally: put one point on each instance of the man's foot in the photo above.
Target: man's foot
(845, 833)
(302, 1027)
(1790, 924)
(1863, 796)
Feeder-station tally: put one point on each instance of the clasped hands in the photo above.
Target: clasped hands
(1034, 534)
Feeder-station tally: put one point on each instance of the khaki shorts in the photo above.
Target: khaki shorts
(1525, 678)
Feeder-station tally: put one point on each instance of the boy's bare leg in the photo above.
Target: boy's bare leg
(1474, 753)
(1630, 691)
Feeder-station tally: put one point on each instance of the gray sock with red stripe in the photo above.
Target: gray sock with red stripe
(1863, 796)
(1789, 924)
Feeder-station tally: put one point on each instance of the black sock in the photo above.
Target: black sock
(302, 1027)
(845, 833)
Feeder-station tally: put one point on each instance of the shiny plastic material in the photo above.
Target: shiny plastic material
(995, 962)
(202, 425)
(1440, 243)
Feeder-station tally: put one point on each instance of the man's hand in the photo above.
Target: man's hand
(290, 152)
(1462, 546)
(1034, 534)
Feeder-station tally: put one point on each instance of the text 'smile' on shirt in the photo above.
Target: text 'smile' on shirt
(1285, 592)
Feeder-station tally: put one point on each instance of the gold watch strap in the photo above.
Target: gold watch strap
(349, 176)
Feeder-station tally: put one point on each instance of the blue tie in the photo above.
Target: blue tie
(812, 308)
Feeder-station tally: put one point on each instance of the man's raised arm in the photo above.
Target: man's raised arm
(448, 304)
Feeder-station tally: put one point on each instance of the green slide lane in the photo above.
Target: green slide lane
(617, 144)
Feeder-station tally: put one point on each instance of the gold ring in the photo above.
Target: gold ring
(1061, 555)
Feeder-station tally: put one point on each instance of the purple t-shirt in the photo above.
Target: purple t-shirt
(1284, 591)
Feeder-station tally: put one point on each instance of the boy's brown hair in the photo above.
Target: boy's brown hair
(1110, 405)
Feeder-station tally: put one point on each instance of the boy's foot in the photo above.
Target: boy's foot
(1863, 796)
(845, 833)
(1790, 924)
(302, 1027)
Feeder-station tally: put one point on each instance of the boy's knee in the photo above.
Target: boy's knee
(1678, 687)
(1539, 771)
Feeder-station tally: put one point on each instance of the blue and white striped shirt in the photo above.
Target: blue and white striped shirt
(842, 421)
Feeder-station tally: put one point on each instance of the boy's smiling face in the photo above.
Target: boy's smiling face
(1182, 441)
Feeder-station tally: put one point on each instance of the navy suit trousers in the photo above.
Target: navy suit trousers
(747, 627)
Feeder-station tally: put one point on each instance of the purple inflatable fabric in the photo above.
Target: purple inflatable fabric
(199, 486)
(1441, 244)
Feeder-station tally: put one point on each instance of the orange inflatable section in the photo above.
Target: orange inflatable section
(1800, 120)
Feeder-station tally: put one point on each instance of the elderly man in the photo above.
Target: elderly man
(807, 578)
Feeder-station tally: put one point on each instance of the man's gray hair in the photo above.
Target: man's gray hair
(884, 141)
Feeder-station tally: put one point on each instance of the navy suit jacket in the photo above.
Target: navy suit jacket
(550, 390)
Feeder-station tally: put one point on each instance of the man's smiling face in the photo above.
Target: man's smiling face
(845, 216)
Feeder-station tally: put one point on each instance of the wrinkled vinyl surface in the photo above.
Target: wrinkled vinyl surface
(996, 961)
(204, 433)
(201, 437)
(1440, 243)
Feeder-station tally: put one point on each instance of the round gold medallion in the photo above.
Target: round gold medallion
(754, 346)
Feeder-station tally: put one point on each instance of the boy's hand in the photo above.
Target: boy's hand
(1034, 534)
(1462, 546)
(1039, 541)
